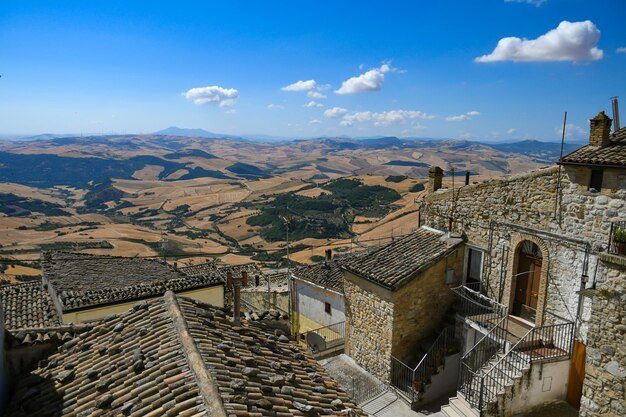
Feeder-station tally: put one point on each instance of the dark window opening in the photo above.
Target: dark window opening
(595, 184)
(327, 308)
(474, 269)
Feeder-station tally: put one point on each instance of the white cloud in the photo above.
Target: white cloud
(315, 94)
(275, 106)
(298, 86)
(335, 112)
(571, 131)
(372, 80)
(568, 42)
(212, 95)
(315, 122)
(462, 117)
(313, 103)
(511, 131)
(312, 88)
(535, 3)
(621, 50)
(385, 118)
(230, 111)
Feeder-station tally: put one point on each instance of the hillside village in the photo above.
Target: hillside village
(508, 296)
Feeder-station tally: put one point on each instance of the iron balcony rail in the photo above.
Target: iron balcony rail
(333, 336)
(617, 238)
(412, 381)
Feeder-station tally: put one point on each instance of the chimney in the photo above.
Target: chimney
(237, 297)
(615, 113)
(600, 130)
(329, 254)
(436, 177)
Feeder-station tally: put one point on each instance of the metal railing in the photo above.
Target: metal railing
(480, 386)
(413, 381)
(617, 245)
(363, 390)
(476, 306)
(324, 338)
(491, 344)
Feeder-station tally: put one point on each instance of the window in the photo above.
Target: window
(327, 308)
(474, 269)
(595, 184)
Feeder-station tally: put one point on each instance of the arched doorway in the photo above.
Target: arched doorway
(527, 281)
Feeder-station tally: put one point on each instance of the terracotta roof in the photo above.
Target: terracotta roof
(392, 265)
(178, 357)
(326, 273)
(215, 269)
(613, 154)
(81, 280)
(27, 306)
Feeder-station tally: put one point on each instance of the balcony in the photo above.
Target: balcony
(617, 239)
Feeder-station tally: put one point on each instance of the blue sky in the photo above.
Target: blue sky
(408, 68)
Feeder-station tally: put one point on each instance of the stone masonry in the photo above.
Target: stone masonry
(499, 214)
(369, 325)
(604, 388)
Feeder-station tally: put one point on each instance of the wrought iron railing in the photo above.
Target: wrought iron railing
(412, 382)
(617, 238)
(476, 306)
(491, 344)
(324, 338)
(480, 386)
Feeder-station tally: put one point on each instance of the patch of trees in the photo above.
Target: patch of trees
(18, 206)
(325, 216)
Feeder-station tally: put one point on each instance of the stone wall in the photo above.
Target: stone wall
(420, 305)
(369, 325)
(498, 214)
(604, 388)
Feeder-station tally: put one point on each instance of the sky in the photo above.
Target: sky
(478, 70)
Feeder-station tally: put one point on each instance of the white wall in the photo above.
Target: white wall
(547, 382)
(311, 299)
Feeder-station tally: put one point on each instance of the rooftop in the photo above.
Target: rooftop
(392, 265)
(215, 269)
(175, 356)
(27, 306)
(81, 280)
(326, 273)
(614, 154)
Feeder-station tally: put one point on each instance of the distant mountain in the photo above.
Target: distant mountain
(539, 151)
(194, 133)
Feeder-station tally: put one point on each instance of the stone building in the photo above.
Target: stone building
(86, 287)
(533, 247)
(396, 295)
(605, 369)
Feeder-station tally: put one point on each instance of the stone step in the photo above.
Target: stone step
(448, 411)
(463, 408)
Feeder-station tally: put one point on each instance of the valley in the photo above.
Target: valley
(192, 198)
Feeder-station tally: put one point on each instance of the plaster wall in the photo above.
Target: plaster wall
(211, 295)
(311, 300)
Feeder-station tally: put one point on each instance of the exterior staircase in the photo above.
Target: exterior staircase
(499, 365)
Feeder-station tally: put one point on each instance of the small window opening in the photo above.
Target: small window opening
(327, 308)
(595, 184)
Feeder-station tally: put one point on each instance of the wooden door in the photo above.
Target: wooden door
(576, 374)
(521, 284)
(534, 277)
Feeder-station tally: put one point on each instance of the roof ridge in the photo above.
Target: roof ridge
(206, 385)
